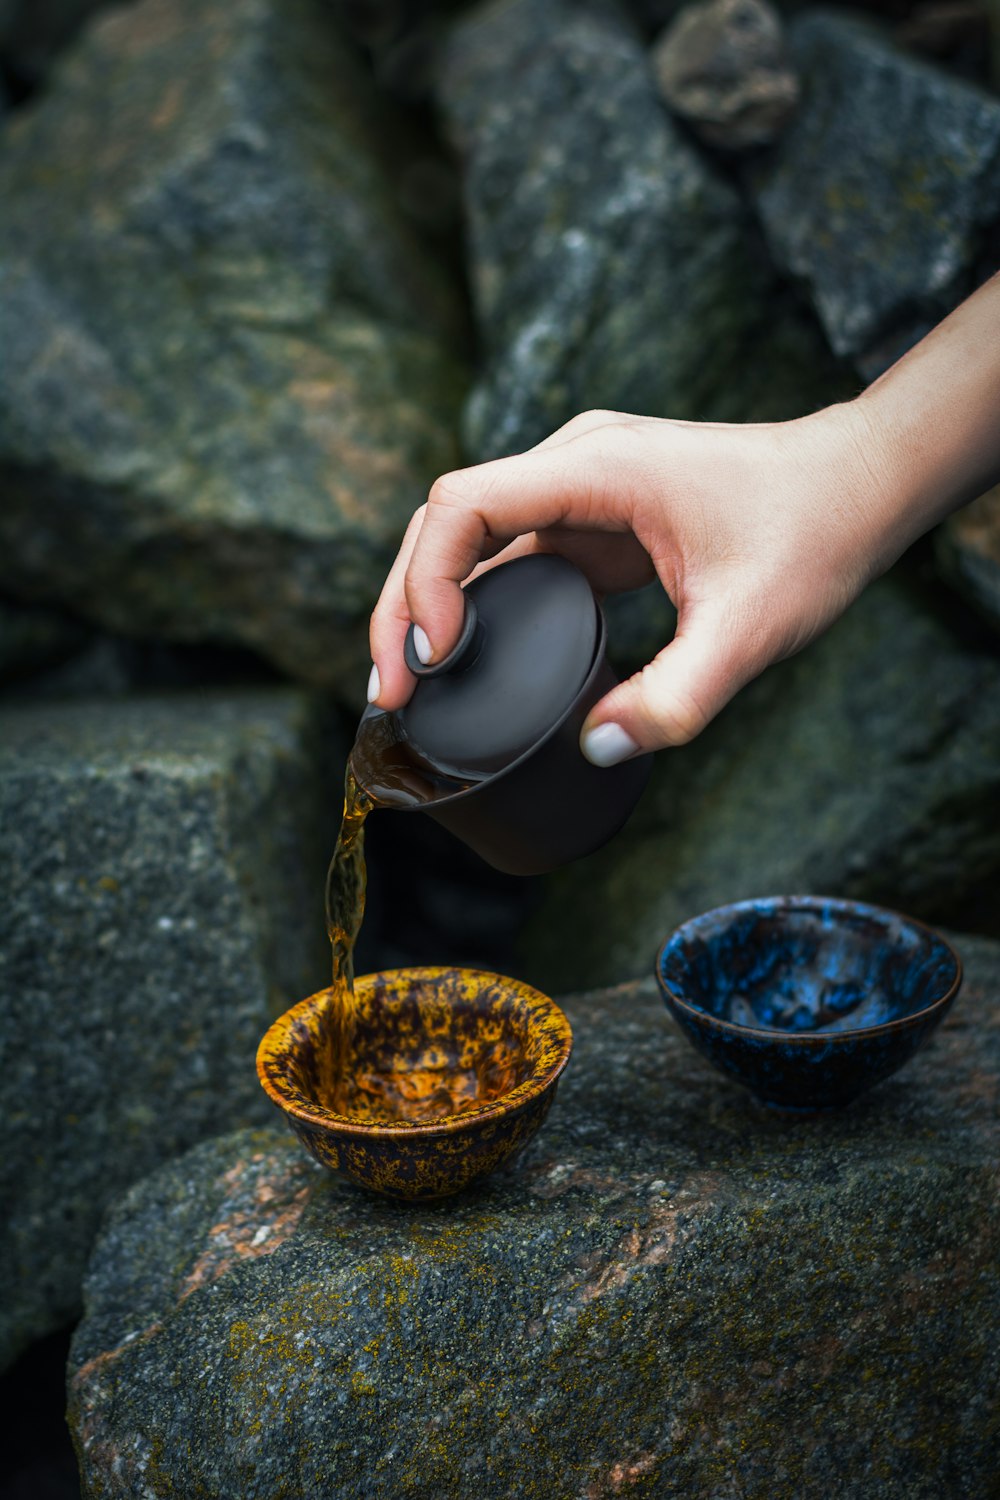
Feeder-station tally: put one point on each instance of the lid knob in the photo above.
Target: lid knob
(529, 636)
(464, 652)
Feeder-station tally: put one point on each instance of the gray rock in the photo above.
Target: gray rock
(674, 1294)
(162, 873)
(611, 265)
(722, 65)
(868, 766)
(223, 389)
(968, 548)
(880, 191)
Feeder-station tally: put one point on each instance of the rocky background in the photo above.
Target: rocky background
(267, 267)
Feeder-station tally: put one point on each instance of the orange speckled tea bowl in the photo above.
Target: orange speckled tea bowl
(449, 1073)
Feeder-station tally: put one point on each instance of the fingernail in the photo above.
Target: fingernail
(422, 646)
(374, 685)
(607, 744)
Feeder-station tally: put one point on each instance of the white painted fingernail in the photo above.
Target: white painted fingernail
(374, 685)
(422, 646)
(607, 745)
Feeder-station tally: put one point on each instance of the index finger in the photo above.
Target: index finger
(472, 513)
(391, 683)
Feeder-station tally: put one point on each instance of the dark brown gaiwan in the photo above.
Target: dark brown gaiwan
(489, 743)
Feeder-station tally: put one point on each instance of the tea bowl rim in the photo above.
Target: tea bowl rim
(507, 1105)
(799, 903)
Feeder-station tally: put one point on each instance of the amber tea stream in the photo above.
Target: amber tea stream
(426, 1085)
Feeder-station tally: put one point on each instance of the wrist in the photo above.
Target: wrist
(888, 477)
(936, 413)
(871, 486)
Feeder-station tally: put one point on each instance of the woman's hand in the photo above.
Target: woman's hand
(760, 534)
(754, 533)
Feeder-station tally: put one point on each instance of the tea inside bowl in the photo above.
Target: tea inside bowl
(419, 1053)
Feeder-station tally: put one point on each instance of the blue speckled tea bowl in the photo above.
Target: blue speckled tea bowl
(806, 1000)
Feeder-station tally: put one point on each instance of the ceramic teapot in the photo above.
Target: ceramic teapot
(492, 730)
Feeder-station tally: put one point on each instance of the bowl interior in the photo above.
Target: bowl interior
(803, 965)
(427, 1045)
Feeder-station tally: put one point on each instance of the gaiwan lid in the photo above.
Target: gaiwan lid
(528, 640)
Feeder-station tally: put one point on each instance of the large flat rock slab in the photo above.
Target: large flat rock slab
(675, 1293)
(161, 872)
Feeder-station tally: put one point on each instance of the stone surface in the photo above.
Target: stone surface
(611, 265)
(723, 66)
(162, 870)
(223, 389)
(879, 193)
(675, 1294)
(968, 547)
(867, 766)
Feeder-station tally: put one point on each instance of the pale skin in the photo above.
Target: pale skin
(761, 534)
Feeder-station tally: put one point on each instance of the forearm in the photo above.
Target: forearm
(933, 420)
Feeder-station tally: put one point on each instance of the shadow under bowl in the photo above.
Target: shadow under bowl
(450, 1073)
(807, 1001)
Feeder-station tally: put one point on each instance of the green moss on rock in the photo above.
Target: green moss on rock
(161, 866)
(675, 1293)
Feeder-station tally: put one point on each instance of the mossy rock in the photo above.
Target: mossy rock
(612, 265)
(228, 374)
(161, 863)
(674, 1294)
(880, 194)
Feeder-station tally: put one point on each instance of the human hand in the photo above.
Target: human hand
(760, 535)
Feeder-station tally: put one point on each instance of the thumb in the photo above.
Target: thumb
(681, 690)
